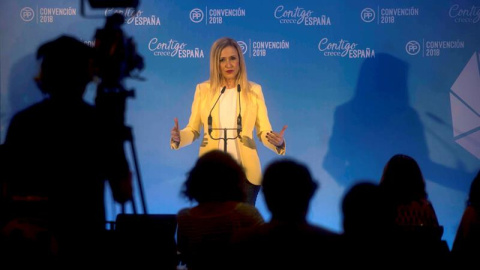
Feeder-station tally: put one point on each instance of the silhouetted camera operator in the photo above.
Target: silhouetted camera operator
(58, 154)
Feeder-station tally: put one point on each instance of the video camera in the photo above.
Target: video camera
(115, 59)
(116, 56)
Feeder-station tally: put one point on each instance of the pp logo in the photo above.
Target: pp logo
(465, 106)
(367, 15)
(27, 14)
(196, 15)
(243, 46)
(412, 47)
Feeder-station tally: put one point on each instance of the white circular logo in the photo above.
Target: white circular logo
(196, 15)
(244, 46)
(412, 47)
(27, 14)
(367, 15)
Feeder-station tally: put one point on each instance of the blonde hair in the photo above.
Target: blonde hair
(216, 78)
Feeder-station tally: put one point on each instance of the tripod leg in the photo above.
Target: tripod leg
(137, 171)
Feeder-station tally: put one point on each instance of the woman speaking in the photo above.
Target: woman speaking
(229, 107)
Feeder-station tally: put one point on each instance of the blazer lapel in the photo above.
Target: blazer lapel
(242, 109)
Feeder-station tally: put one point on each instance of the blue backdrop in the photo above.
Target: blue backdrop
(355, 81)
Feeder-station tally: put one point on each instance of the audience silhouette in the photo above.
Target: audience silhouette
(288, 240)
(466, 245)
(204, 231)
(365, 226)
(55, 161)
(416, 235)
(403, 183)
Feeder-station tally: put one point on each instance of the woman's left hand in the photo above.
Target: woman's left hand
(277, 138)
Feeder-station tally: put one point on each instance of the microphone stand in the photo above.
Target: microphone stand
(239, 123)
(225, 138)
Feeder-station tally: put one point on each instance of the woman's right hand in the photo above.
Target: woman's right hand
(175, 133)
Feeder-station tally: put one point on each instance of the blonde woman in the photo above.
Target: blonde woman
(228, 104)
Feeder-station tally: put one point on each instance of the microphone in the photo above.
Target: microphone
(239, 118)
(210, 114)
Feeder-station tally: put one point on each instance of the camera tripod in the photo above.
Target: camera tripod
(110, 102)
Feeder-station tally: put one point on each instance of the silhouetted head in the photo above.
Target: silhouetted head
(402, 179)
(288, 188)
(363, 210)
(66, 68)
(474, 194)
(216, 177)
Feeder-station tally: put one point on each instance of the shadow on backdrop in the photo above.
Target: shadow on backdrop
(377, 123)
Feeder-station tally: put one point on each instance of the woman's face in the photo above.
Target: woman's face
(229, 63)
